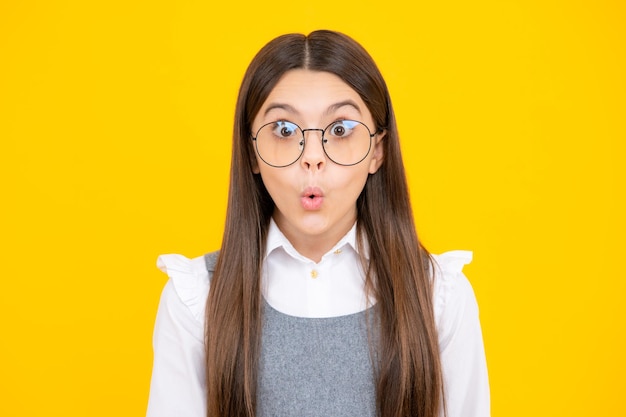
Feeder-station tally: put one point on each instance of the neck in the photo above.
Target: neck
(314, 245)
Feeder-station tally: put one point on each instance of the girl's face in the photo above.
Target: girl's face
(315, 198)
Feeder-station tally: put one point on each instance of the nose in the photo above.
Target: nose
(313, 155)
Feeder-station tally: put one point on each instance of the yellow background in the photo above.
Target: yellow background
(115, 123)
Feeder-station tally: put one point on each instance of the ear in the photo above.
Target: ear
(255, 165)
(377, 153)
(254, 161)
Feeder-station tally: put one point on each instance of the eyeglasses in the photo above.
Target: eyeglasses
(281, 143)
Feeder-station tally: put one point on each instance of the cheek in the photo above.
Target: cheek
(352, 184)
(275, 183)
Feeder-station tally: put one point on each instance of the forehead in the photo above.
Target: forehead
(313, 93)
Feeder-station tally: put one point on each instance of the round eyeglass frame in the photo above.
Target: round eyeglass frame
(369, 149)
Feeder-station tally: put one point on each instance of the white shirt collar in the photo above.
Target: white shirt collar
(276, 239)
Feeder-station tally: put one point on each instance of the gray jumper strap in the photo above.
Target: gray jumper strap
(313, 367)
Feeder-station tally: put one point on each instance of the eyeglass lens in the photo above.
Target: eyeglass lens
(281, 143)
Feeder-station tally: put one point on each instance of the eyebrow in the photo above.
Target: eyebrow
(351, 103)
(331, 109)
(282, 106)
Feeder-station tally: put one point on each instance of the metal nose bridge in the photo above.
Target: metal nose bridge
(309, 130)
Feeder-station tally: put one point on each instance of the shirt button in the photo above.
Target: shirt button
(314, 273)
(337, 252)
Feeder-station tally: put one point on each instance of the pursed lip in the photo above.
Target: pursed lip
(312, 198)
(312, 192)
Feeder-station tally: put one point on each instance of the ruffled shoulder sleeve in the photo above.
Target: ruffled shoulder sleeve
(462, 353)
(189, 279)
(451, 285)
(177, 387)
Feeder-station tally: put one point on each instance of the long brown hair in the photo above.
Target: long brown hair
(409, 381)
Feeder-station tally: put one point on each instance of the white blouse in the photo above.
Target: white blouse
(297, 286)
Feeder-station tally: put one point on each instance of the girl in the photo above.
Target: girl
(321, 301)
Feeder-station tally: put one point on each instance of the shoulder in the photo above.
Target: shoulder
(188, 282)
(178, 379)
(454, 298)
